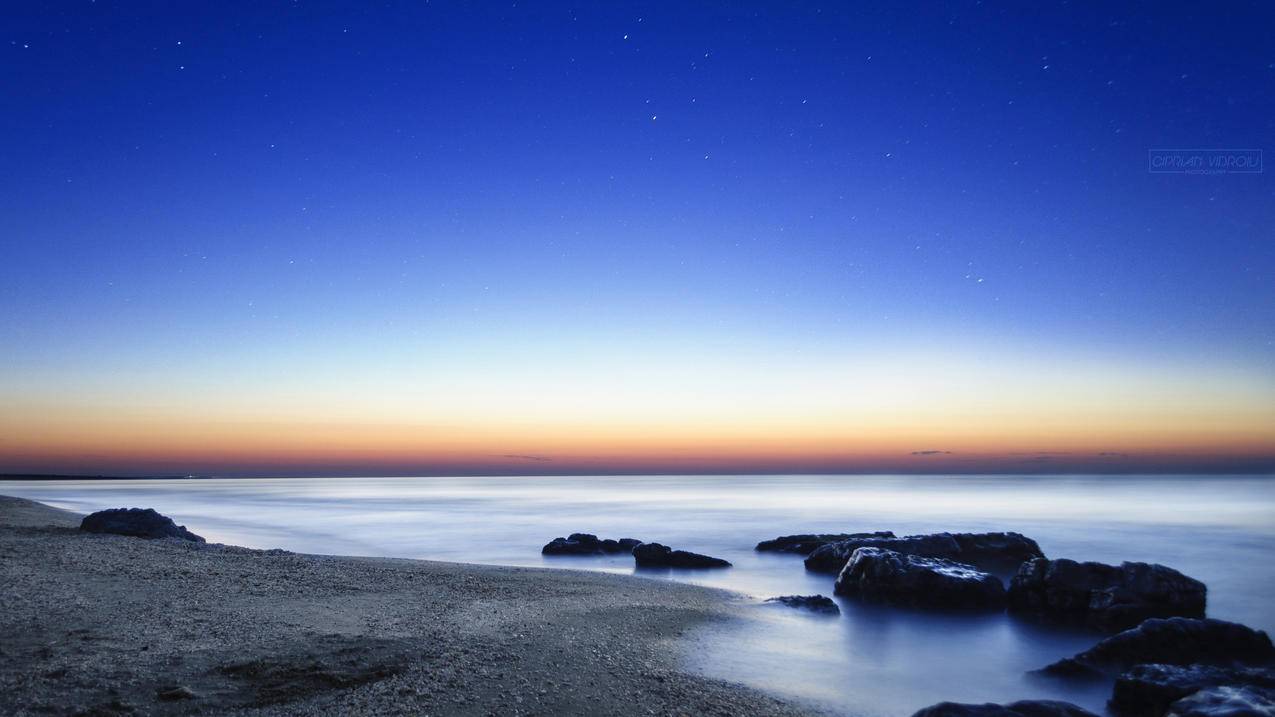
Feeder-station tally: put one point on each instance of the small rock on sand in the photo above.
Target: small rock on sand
(137, 522)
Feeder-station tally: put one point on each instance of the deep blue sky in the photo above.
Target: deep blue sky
(213, 194)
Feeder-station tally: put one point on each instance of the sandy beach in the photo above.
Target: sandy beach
(105, 624)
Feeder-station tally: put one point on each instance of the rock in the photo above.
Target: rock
(654, 555)
(1226, 702)
(588, 544)
(1170, 641)
(807, 544)
(1003, 552)
(815, 603)
(887, 576)
(991, 551)
(180, 692)
(137, 522)
(1106, 597)
(1148, 690)
(832, 557)
(1025, 708)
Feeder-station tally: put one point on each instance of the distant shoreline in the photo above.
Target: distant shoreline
(55, 477)
(51, 477)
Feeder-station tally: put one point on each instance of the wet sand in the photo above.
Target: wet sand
(105, 624)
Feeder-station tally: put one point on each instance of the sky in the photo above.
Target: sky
(413, 238)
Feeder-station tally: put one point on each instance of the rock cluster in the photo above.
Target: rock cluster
(137, 522)
(1167, 659)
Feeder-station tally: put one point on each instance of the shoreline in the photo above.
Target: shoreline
(107, 624)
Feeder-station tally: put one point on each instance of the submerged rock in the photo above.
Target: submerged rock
(1226, 702)
(137, 522)
(807, 543)
(815, 603)
(1170, 641)
(1107, 597)
(654, 555)
(1148, 690)
(990, 551)
(181, 692)
(1024, 708)
(887, 576)
(588, 544)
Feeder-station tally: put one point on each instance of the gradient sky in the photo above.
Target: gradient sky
(409, 238)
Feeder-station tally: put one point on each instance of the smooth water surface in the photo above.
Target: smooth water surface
(870, 661)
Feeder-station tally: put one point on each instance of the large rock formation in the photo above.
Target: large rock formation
(1001, 552)
(1148, 690)
(137, 522)
(654, 555)
(1171, 641)
(814, 603)
(1025, 708)
(588, 544)
(808, 543)
(881, 575)
(1107, 597)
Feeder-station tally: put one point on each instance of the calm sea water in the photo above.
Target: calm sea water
(869, 661)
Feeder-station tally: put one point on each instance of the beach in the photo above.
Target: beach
(108, 624)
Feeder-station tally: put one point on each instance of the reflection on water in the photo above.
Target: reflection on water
(871, 660)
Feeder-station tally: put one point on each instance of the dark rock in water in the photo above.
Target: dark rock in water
(1107, 597)
(996, 551)
(816, 603)
(807, 544)
(991, 551)
(886, 576)
(137, 522)
(1171, 641)
(832, 557)
(1025, 708)
(1226, 702)
(588, 544)
(654, 555)
(1148, 690)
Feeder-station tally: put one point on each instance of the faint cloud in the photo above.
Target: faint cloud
(1114, 454)
(931, 453)
(520, 457)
